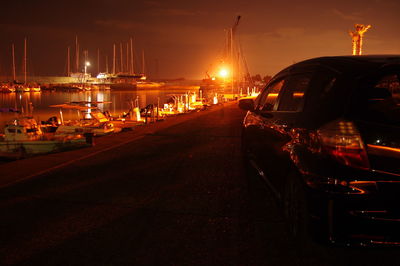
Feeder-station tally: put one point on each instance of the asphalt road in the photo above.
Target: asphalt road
(178, 195)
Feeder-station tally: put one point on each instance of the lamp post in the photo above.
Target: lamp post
(224, 73)
(87, 63)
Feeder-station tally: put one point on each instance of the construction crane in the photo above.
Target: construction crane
(235, 25)
(231, 37)
(232, 63)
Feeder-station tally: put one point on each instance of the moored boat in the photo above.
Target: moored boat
(22, 88)
(93, 121)
(149, 84)
(23, 137)
(7, 87)
(34, 88)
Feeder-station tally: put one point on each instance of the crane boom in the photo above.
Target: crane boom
(235, 25)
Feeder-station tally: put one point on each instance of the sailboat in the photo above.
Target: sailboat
(79, 75)
(143, 83)
(122, 80)
(25, 87)
(9, 86)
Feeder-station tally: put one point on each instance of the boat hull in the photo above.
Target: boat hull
(35, 147)
(78, 129)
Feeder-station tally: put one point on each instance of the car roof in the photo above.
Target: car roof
(353, 64)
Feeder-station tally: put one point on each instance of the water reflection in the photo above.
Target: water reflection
(116, 102)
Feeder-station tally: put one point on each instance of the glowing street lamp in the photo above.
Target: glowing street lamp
(87, 63)
(223, 73)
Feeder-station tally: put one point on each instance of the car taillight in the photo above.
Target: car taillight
(341, 140)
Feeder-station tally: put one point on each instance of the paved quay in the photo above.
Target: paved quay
(20, 170)
(170, 193)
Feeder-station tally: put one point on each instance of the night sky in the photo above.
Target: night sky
(186, 38)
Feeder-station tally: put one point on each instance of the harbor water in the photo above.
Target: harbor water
(38, 104)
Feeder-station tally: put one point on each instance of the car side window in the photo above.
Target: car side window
(269, 96)
(292, 98)
(383, 100)
(391, 84)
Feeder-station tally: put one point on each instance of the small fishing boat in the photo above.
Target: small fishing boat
(23, 137)
(91, 120)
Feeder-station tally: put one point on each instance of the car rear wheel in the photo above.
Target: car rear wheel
(296, 211)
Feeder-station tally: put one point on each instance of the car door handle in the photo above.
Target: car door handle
(283, 125)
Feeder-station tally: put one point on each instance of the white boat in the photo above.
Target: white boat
(92, 121)
(82, 127)
(23, 137)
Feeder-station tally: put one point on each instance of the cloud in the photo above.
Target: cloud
(120, 24)
(280, 33)
(352, 17)
(152, 3)
(171, 32)
(290, 32)
(175, 12)
(271, 52)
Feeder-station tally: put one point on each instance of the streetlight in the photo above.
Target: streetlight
(223, 73)
(87, 63)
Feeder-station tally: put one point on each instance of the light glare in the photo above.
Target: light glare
(224, 73)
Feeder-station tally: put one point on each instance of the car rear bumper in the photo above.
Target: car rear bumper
(363, 224)
(370, 218)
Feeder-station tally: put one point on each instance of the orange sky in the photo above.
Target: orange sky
(186, 38)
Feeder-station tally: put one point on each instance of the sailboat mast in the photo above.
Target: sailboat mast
(25, 61)
(127, 59)
(114, 59)
(98, 60)
(107, 64)
(86, 56)
(132, 65)
(76, 54)
(13, 62)
(143, 63)
(121, 63)
(231, 57)
(239, 70)
(68, 62)
(232, 51)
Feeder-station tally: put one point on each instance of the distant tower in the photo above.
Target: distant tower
(357, 37)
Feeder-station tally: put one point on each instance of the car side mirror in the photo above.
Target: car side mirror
(246, 104)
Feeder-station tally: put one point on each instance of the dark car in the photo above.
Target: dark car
(325, 136)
